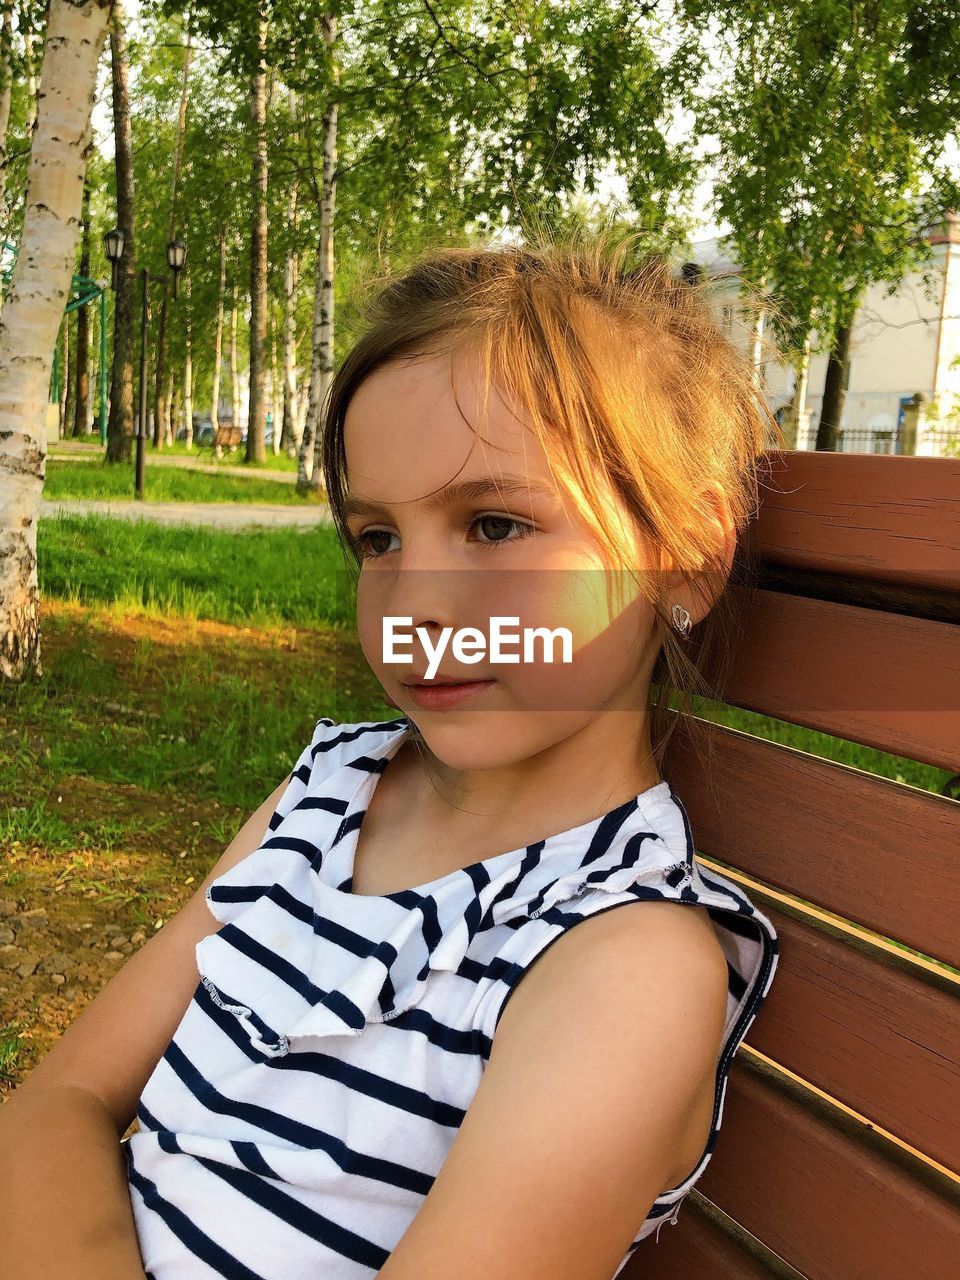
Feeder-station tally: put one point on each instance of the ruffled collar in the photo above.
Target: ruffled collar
(305, 957)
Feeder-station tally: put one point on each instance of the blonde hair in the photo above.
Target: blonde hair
(630, 384)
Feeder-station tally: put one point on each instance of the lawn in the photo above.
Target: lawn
(236, 458)
(69, 478)
(260, 577)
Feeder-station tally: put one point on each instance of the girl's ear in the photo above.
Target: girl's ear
(698, 593)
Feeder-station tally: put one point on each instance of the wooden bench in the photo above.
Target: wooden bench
(838, 1156)
(226, 436)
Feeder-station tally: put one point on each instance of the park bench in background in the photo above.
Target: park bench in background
(226, 436)
(839, 1151)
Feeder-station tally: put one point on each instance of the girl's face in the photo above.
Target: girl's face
(458, 526)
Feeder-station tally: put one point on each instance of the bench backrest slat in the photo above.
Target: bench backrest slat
(890, 519)
(863, 847)
(883, 679)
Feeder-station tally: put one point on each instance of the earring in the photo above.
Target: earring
(682, 620)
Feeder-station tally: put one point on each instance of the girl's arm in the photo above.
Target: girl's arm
(65, 1208)
(591, 1105)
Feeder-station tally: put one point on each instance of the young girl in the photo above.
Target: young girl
(423, 1043)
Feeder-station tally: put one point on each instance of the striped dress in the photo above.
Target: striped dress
(319, 1076)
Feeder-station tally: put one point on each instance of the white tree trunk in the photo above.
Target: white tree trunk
(188, 362)
(321, 372)
(6, 97)
(289, 434)
(218, 337)
(39, 291)
(234, 360)
(30, 63)
(275, 390)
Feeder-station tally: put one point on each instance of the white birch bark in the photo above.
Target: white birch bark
(321, 371)
(288, 435)
(39, 291)
(30, 63)
(218, 336)
(6, 97)
(188, 362)
(162, 430)
(274, 397)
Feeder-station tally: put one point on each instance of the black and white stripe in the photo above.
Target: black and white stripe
(319, 1076)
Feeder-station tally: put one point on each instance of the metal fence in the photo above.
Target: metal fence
(931, 441)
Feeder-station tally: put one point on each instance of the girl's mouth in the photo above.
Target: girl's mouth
(440, 697)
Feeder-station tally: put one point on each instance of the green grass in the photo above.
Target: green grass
(11, 1051)
(261, 577)
(100, 481)
(279, 463)
(179, 450)
(223, 722)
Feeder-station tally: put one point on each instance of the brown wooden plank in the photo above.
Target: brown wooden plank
(882, 679)
(829, 1197)
(890, 518)
(866, 848)
(882, 1039)
(699, 1250)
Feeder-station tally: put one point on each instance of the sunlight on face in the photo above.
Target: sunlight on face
(512, 546)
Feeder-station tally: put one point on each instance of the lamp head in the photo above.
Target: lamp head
(176, 255)
(113, 242)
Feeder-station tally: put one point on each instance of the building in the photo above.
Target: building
(902, 344)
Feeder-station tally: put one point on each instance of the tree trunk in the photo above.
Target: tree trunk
(6, 96)
(790, 425)
(39, 291)
(218, 336)
(169, 388)
(234, 367)
(258, 251)
(188, 363)
(120, 425)
(81, 395)
(276, 394)
(321, 373)
(29, 64)
(164, 385)
(833, 386)
(303, 404)
(291, 281)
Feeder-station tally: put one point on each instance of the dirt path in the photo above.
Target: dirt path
(223, 515)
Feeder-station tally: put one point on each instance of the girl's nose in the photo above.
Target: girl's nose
(431, 598)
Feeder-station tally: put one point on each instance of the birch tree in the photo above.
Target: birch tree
(163, 384)
(322, 363)
(120, 425)
(31, 318)
(258, 247)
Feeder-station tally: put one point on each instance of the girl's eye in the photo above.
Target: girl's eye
(496, 532)
(366, 551)
(498, 523)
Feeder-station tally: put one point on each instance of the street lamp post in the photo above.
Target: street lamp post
(113, 242)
